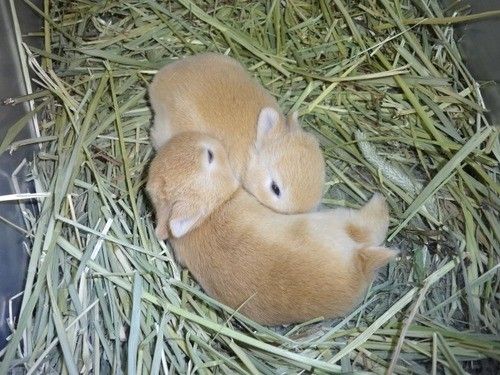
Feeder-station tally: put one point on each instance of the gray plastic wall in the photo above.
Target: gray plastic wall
(14, 244)
(479, 44)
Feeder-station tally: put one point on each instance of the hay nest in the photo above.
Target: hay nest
(383, 87)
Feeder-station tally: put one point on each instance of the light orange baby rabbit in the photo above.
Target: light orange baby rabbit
(276, 161)
(275, 268)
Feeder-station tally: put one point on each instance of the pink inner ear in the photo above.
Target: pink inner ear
(184, 218)
(268, 119)
(180, 227)
(266, 125)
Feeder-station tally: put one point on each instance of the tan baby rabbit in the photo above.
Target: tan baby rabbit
(274, 268)
(276, 161)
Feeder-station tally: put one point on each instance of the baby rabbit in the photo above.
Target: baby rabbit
(273, 268)
(276, 161)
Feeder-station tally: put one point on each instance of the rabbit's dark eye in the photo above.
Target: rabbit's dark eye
(275, 188)
(210, 155)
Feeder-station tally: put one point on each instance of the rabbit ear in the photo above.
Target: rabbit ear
(267, 124)
(184, 218)
(374, 257)
(162, 216)
(292, 121)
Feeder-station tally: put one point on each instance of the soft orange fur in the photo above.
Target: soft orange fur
(275, 268)
(214, 94)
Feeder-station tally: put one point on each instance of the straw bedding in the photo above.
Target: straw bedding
(383, 87)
